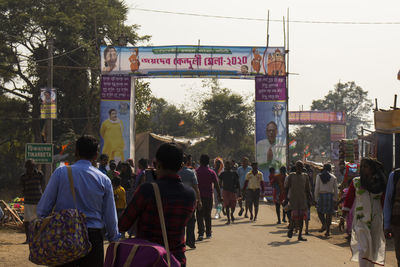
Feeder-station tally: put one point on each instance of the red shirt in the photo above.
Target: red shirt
(206, 178)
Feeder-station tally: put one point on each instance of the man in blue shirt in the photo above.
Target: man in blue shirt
(94, 197)
(242, 171)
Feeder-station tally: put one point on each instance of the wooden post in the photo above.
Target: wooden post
(362, 142)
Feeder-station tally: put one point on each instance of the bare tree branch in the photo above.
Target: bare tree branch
(14, 93)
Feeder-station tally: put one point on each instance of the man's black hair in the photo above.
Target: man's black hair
(170, 156)
(111, 110)
(186, 158)
(143, 163)
(87, 147)
(282, 169)
(116, 181)
(103, 156)
(271, 170)
(272, 122)
(327, 167)
(204, 160)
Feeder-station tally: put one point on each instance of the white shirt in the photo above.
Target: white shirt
(330, 187)
(278, 151)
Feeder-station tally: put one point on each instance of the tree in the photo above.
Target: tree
(351, 99)
(78, 28)
(228, 119)
(314, 139)
(164, 118)
(346, 97)
(14, 128)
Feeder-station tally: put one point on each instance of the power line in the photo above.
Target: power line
(272, 20)
(62, 54)
(58, 119)
(57, 56)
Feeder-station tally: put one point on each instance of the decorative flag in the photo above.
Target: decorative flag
(63, 147)
(306, 148)
(323, 153)
(292, 144)
(308, 154)
(181, 123)
(295, 154)
(148, 107)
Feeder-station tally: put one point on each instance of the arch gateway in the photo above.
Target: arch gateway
(120, 67)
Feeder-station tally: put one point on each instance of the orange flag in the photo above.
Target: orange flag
(181, 123)
(63, 147)
(148, 107)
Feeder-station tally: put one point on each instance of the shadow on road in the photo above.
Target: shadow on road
(284, 243)
(278, 232)
(266, 225)
(236, 222)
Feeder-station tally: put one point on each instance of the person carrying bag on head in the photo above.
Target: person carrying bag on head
(84, 193)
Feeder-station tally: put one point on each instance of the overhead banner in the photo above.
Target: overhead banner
(115, 116)
(48, 103)
(271, 124)
(193, 61)
(317, 117)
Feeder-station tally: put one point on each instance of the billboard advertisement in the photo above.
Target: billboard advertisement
(271, 125)
(193, 61)
(48, 103)
(115, 116)
(317, 117)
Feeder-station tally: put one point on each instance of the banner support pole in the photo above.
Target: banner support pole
(287, 90)
(49, 120)
(132, 120)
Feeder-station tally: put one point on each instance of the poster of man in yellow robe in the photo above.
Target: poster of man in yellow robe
(111, 131)
(115, 116)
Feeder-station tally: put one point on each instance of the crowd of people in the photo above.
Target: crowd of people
(118, 199)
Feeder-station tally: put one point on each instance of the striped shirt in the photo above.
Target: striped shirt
(32, 187)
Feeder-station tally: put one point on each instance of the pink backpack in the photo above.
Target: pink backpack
(137, 252)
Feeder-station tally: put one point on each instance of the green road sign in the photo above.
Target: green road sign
(40, 153)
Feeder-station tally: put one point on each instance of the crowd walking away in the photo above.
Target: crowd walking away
(158, 202)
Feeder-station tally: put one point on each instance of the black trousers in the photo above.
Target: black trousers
(204, 216)
(190, 238)
(95, 256)
(253, 197)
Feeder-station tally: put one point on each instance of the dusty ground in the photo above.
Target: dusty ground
(245, 243)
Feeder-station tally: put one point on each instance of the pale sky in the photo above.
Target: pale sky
(322, 54)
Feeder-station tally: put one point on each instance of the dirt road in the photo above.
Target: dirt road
(245, 243)
(263, 243)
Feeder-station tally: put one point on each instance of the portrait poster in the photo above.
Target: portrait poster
(48, 103)
(193, 61)
(271, 125)
(115, 116)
